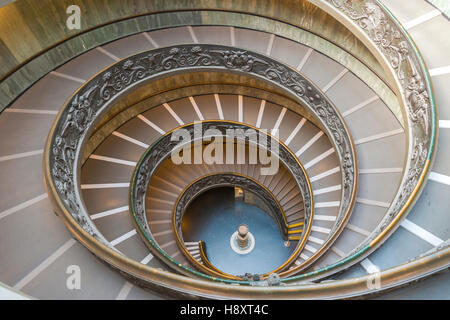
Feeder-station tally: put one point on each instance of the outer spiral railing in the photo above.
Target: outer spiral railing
(391, 43)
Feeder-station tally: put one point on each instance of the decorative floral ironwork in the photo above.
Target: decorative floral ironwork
(82, 112)
(163, 148)
(240, 60)
(393, 44)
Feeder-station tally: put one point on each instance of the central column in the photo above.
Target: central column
(242, 241)
(242, 238)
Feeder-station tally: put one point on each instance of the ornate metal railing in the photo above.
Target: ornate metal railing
(383, 34)
(221, 179)
(85, 108)
(376, 26)
(228, 179)
(163, 148)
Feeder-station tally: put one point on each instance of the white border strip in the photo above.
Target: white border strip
(439, 71)
(150, 39)
(151, 124)
(439, 178)
(379, 136)
(123, 237)
(192, 33)
(310, 248)
(380, 170)
(280, 118)
(360, 106)
(423, 18)
(324, 174)
(338, 251)
(159, 222)
(303, 256)
(444, 124)
(107, 53)
(334, 80)
(270, 44)
(421, 232)
(319, 158)
(129, 139)
(174, 115)
(66, 76)
(373, 202)
(304, 59)
(320, 229)
(109, 212)
(232, 37)
(309, 143)
(125, 291)
(23, 205)
(369, 266)
(357, 229)
(240, 109)
(46, 263)
(21, 155)
(196, 108)
(322, 217)
(316, 240)
(219, 106)
(31, 111)
(295, 131)
(260, 113)
(167, 244)
(113, 160)
(105, 185)
(328, 204)
(162, 233)
(147, 259)
(327, 189)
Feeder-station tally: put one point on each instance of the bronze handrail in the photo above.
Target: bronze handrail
(163, 147)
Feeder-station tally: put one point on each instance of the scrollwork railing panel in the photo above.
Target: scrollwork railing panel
(162, 149)
(407, 66)
(392, 42)
(84, 109)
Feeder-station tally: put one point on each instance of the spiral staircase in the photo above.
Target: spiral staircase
(353, 90)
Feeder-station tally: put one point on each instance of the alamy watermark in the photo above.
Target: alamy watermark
(235, 146)
(374, 281)
(73, 281)
(73, 22)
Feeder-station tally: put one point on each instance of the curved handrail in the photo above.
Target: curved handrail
(62, 40)
(204, 183)
(83, 110)
(228, 178)
(387, 38)
(340, 288)
(163, 147)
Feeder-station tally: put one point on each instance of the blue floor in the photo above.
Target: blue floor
(214, 216)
